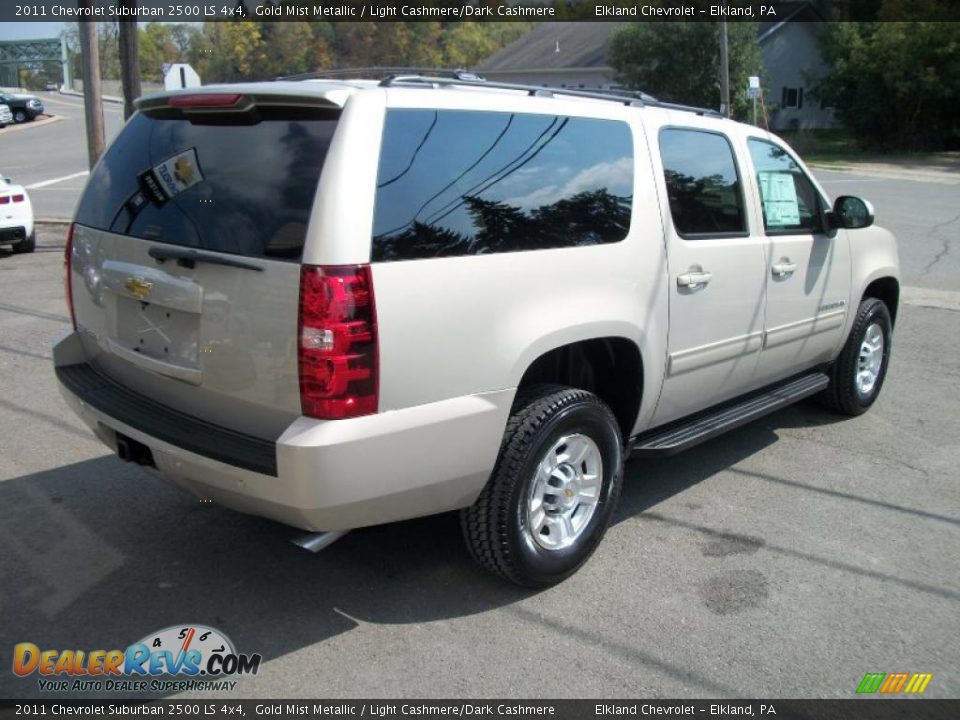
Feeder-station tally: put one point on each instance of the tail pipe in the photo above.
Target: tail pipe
(317, 541)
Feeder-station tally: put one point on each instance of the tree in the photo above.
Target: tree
(680, 61)
(896, 84)
(285, 49)
(157, 46)
(227, 51)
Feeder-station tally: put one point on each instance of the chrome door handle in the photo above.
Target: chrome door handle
(694, 279)
(784, 268)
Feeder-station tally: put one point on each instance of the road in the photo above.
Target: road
(923, 215)
(38, 153)
(786, 559)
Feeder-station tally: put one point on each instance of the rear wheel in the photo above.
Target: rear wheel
(27, 245)
(858, 374)
(552, 493)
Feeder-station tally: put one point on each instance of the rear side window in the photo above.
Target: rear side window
(703, 185)
(456, 182)
(245, 189)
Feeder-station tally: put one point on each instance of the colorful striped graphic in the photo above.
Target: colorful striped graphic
(893, 683)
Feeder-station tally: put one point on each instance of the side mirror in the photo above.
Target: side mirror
(851, 213)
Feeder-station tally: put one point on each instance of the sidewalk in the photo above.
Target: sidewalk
(945, 168)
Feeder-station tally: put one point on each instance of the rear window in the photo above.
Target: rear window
(454, 182)
(245, 189)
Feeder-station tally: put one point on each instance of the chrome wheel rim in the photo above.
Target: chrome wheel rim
(870, 360)
(565, 492)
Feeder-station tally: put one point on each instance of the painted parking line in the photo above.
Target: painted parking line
(54, 181)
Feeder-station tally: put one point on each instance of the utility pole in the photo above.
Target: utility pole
(129, 60)
(724, 71)
(92, 94)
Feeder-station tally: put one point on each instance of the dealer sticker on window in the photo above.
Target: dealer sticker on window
(172, 176)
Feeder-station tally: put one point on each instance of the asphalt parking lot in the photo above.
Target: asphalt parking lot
(785, 559)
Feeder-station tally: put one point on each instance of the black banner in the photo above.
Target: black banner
(177, 11)
(854, 709)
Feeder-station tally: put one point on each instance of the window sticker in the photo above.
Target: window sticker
(172, 176)
(780, 206)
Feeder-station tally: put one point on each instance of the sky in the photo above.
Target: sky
(30, 30)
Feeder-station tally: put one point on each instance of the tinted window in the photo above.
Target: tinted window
(465, 183)
(702, 183)
(790, 201)
(244, 189)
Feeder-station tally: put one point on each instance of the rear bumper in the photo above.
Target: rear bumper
(13, 234)
(318, 475)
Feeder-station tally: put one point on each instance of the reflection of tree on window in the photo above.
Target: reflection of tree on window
(588, 218)
(704, 205)
(466, 182)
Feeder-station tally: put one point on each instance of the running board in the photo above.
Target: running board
(687, 433)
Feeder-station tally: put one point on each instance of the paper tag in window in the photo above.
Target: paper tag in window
(172, 176)
(780, 205)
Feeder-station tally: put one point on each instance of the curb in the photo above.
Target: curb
(930, 298)
(45, 120)
(105, 98)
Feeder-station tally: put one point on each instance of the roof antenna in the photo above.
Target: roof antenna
(558, 46)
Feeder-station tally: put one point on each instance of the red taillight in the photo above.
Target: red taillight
(4, 199)
(67, 279)
(337, 342)
(18, 198)
(204, 100)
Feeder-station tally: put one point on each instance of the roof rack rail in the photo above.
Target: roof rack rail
(634, 98)
(381, 71)
(533, 90)
(696, 110)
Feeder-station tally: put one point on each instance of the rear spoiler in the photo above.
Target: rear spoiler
(244, 98)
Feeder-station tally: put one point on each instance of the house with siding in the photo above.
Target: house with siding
(576, 55)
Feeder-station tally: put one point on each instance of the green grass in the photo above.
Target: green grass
(839, 147)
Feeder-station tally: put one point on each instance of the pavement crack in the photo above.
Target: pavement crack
(944, 242)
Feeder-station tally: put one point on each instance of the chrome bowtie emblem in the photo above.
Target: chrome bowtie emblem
(138, 287)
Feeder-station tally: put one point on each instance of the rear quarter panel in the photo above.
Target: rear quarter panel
(455, 326)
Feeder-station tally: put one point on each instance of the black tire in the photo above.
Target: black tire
(19, 116)
(843, 395)
(496, 527)
(27, 245)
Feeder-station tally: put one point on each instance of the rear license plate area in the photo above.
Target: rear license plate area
(161, 333)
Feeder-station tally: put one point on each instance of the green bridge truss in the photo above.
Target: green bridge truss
(33, 55)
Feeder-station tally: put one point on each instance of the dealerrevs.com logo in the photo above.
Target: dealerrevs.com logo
(199, 657)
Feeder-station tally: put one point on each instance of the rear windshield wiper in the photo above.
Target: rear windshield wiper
(189, 258)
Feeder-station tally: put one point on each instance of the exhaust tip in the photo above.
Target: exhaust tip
(317, 541)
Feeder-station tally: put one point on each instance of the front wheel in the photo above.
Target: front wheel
(858, 373)
(553, 490)
(19, 116)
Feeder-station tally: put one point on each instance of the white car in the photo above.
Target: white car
(16, 217)
(6, 117)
